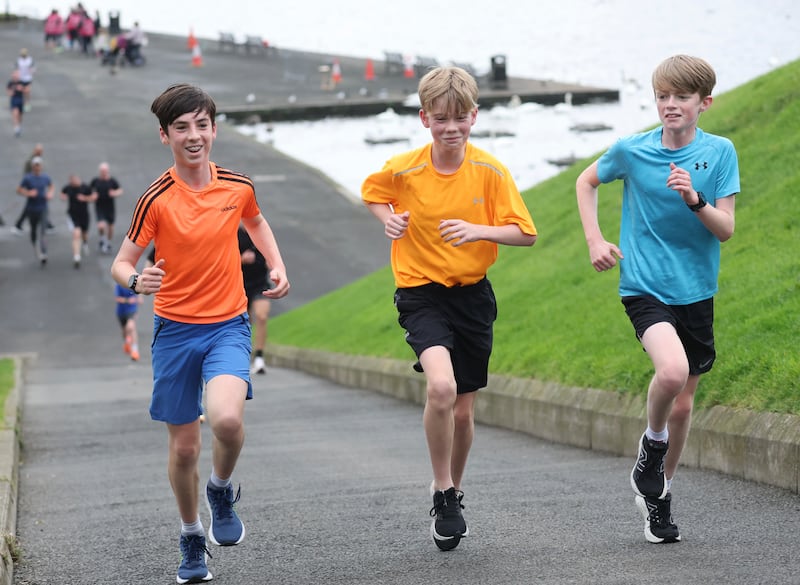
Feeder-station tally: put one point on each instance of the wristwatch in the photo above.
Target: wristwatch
(133, 281)
(701, 203)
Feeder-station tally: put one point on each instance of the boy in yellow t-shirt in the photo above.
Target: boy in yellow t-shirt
(446, 207)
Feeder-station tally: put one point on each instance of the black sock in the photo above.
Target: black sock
(259, 353)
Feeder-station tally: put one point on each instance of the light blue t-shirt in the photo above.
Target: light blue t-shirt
(669, 253)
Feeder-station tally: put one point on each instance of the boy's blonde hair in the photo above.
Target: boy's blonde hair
(685, 74)
(448, 87)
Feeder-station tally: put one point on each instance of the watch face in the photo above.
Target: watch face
(132, 281)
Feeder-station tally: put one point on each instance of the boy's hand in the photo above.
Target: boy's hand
(151, 277)
(281, 288)
(604, 255)
(458, 231)
(681, 181)
(396, 225)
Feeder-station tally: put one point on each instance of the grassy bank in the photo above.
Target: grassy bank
(561, 321)
(6, 384)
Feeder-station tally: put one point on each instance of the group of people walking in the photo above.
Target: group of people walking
(445, 207)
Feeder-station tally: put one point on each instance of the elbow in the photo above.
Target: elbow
(529, 240)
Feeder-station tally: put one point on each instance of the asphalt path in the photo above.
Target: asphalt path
(334, 479)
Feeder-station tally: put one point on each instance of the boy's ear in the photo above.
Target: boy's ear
(425, 121)
(163, 136)
(705, 103)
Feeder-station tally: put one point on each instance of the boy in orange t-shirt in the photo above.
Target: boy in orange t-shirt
(201, 333)
(446, 207)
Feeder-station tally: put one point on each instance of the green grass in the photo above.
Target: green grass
(561, 321)
(6, 384)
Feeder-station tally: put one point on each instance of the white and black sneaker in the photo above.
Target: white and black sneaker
(258, 367)
(647, 476)
(448, 526)
(658, 525)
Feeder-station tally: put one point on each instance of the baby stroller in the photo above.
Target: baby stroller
(121, 51)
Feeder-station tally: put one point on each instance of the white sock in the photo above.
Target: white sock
(662, 436)
(195, 528)
(218, 482)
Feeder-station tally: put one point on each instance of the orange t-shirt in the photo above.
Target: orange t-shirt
(195, 233)
(482, 191)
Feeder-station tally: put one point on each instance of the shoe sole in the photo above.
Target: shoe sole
(642, 506)
(208, 577)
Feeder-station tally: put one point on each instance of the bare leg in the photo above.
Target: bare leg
(225, 397)
(671, 372)
(464, 433)
(259, 315)
(184, 452)
(680, 420)
(438, 419)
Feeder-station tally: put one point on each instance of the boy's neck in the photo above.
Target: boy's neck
(447, 162)
(674, 140)
(195, 177)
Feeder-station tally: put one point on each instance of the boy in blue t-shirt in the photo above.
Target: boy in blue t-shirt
(677, 206)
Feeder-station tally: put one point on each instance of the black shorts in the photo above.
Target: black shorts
(106, 212)
(80, 219)
(253, 290)
(460, 318)
(694, 324)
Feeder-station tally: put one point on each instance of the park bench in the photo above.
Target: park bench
(424, 64)
(255, 45)
(227, 42)
(394, 62)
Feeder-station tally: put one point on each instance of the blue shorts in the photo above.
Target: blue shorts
(188, 355)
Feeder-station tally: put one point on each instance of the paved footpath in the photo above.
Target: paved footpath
(334, 479)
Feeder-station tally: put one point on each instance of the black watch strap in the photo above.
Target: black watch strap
(133, 281)
(701, 203)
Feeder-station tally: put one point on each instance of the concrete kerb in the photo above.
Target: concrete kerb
(9, 470)
(760, 447)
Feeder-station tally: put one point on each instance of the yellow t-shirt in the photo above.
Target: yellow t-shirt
(195, 232)
(480, 192)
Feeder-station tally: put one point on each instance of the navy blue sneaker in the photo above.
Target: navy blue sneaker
(193, 568)
(226, 529)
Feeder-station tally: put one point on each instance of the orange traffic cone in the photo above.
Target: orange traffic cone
(197, 56)
(408, 69)
(192, 42)
(369, 71)
(336, 73)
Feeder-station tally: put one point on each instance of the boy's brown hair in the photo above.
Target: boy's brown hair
(180, 99)
(685, 74)
(451, 87)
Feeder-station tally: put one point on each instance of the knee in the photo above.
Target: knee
(672, 378)
(227, 427)
(441, 393)
(463, 415)
(185, 453)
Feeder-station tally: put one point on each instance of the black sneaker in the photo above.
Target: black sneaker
(448, 526)
(647, 476)
(658, 525)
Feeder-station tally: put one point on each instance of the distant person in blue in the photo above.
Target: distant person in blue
(16, 89)
(127, 308)
(677, 206)
(37, 187)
